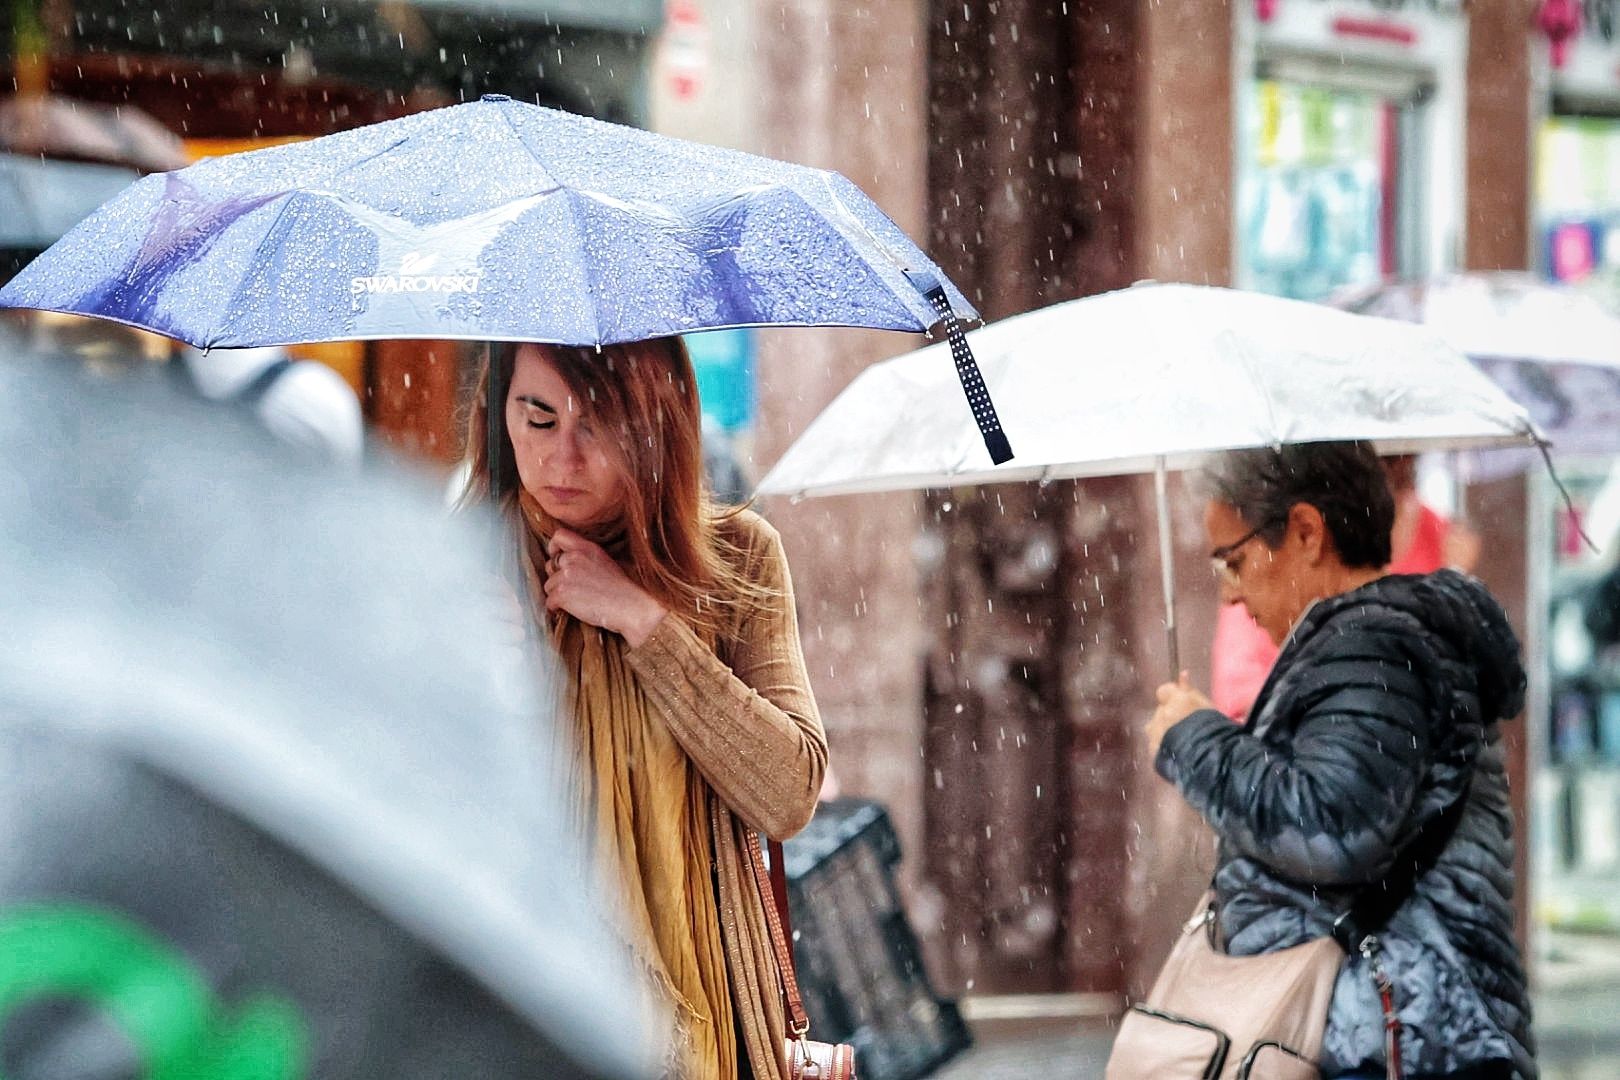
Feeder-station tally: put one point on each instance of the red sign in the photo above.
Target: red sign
(1376, 29)
(686, 47)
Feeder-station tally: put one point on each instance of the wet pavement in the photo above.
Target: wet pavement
(1072, 1049)
(1577, 1006)
(1585, 1046)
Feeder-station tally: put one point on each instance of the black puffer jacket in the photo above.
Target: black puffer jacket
(1383, 704)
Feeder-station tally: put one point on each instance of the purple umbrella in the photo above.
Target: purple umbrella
(495, 221)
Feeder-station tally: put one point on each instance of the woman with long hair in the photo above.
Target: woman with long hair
(674, 620)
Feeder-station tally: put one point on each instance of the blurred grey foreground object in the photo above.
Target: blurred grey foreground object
(271, 804)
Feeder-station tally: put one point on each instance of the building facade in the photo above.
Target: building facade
(985, 658)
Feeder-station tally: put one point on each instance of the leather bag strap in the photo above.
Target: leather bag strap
(1377, 903)
(772, 886)
(779, 887)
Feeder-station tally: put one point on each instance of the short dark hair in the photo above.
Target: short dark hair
(1343, 480)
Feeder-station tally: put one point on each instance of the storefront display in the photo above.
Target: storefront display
(1577, 828)
(1576, 822)
(1349, 142)
(1578, 202)
(1313, 204)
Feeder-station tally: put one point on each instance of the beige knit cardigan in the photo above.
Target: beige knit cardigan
(749, 723)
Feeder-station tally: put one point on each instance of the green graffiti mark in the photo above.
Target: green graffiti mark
(149, 990)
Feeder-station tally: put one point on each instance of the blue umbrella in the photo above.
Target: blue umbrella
(494, 221)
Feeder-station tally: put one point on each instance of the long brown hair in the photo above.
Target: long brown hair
(645, 394)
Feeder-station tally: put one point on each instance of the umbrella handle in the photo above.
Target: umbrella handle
(967, 369)
(496, 356)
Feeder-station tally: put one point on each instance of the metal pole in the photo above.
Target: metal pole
(498, 356)
(1167, 564)
(1460, 469)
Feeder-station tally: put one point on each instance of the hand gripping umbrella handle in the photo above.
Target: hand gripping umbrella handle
(967, 369)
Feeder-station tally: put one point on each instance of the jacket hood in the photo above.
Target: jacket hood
(1461, 611)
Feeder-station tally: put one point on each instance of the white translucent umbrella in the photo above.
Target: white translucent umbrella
(1511, 316)
(1151, 379)
(1553, 348)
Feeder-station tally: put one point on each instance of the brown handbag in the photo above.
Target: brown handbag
(806, 1060)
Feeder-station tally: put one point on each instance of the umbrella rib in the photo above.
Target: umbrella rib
(286, 197)
(844, 210)
(527, 149)
(587, 266)
(355, 164)
(1260, 385)
(854, 239)
(579, 225)
(247, 271)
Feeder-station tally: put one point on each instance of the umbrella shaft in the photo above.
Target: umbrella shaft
(1167, 565)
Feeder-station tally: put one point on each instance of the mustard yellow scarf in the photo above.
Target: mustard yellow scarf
(646, 809)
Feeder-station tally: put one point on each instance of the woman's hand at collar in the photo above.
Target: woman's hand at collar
(585, 581)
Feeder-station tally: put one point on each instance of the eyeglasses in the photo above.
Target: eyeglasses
(1220, 560)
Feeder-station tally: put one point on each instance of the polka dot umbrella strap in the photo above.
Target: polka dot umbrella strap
(967, 369)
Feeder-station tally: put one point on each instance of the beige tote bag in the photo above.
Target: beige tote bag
(1211, 1016)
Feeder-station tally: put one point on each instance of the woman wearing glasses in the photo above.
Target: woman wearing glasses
(1422, 540)
(1378, 725)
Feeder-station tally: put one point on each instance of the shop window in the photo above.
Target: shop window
(1329, 189)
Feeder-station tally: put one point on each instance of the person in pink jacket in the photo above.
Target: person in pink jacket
(1423, 540)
